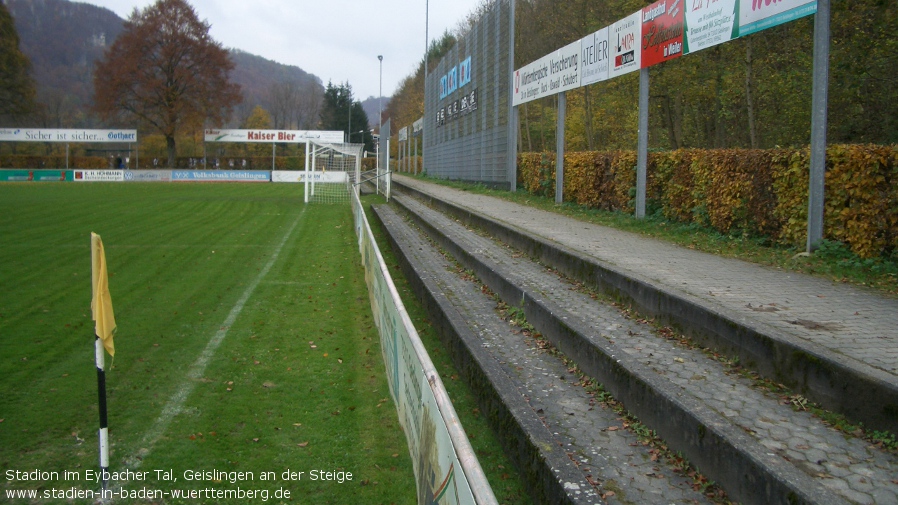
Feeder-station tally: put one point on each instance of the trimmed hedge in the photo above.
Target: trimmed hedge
(740, 191)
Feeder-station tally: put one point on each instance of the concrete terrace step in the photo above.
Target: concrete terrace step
(759, 450)
(835, 344)
(569, 450)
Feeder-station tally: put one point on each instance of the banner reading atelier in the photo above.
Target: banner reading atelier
(757, 15)
(594, 57)
(708, 23)
(624, 37)
(662, 32)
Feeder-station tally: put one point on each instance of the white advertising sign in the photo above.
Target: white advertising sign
(99, 175)
(554, 73)
(594, 57)
(757, 15)
(625, 39)
(403, 134)
(272, 136)
(708, 23)
(300, 176)
(53, 135)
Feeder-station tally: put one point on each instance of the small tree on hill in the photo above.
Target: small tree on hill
(166, 71)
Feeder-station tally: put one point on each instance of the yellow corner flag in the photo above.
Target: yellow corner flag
(101, 304)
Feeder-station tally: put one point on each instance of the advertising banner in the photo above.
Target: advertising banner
(301, 175)
(272, 136)
(438, 471)
(757, 15)
(556, 72)
(403, 134)
(708, 23)
(221, 175)
(147, 175)
(52, 135)
(99, 175)
(624, 38)
(35, 175)
(662, 32)
(594, 57)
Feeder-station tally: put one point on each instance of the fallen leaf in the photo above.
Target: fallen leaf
(395, 454)
(340, 360)
(297, 424)
(325, 355)
(302, 444)
(192, 437)
(255, 440)
(268, 384)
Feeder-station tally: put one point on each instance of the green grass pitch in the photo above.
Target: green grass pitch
(245, 347)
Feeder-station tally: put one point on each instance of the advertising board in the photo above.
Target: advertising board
(66, 135)
(553, 73)
(708, 23)
(662, 32)
(99, 175)
(274, 136)
(757, 15)
(624, 38)
(221, 175)
(594, 57)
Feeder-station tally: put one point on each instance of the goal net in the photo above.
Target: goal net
(331, 172)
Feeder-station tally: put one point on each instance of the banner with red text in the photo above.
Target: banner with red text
(662, 32)
(272, 136)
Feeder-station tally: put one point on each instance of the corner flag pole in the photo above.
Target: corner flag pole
(101, 307)
(101, 392)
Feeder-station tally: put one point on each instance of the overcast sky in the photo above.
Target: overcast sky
(337, 40)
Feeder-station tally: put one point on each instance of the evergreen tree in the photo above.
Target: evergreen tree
(17, 89)
(340, 112)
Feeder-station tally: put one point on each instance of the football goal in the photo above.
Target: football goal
(331, 171)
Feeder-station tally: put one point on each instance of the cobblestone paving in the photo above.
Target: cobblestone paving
(851, 321)
(847, 466)
(592, 436)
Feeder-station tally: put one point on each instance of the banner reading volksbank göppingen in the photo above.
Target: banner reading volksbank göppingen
(69, 135)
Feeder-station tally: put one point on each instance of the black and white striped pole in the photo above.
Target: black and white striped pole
(100, 352)
(101, 308)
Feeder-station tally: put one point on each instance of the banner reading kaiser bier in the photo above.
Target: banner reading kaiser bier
(708, 23)
(624, 37)
(662, 32)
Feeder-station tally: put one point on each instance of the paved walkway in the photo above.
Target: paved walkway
(858, 324)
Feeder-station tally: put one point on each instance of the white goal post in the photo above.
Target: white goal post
(331, 171)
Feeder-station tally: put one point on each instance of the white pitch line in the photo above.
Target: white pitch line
(176, 402)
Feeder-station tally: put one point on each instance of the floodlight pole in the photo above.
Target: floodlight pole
(380, 97)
